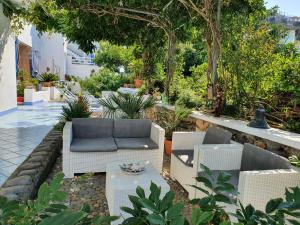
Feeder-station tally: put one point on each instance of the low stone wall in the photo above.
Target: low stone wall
(24, 183)
(196, 124)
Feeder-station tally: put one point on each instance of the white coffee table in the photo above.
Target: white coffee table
(119, 185)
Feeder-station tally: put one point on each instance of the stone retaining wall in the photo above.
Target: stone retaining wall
(196, 124)
(24, 183)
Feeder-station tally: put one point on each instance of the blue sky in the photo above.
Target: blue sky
(289, 7)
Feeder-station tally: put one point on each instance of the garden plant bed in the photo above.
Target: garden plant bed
(90, 189)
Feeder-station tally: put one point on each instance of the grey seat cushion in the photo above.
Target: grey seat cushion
(93, 145)
(216, 135)
(185, 156)
(135, 143)
(255, 158)
(92, 128)
(234, 180)
(132, 128)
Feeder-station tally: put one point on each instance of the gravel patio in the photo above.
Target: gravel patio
(90, 189)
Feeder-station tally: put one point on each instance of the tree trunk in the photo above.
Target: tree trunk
(216, 50)
(170, 61)
(146, 69)
(209, 56)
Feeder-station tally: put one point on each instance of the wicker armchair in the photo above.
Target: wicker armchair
(185, 156)
(258, 175)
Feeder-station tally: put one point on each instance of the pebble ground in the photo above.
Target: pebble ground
(90, 189)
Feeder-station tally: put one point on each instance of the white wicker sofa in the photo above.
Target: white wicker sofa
(89, 144)
(258, 175)
(185, 157)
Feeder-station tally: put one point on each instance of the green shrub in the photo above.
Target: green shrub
(104, 80)
(48, 77)
(23, 75)
(72, 78)
(75, 109)
(113, 56)
(20, 89)
(295, 161)
(48, 208)
(210, 210)
(172, 121)
(190, 92)
(153, 209)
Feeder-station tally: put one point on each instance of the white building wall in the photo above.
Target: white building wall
(80, 70)
(27, 35)
(8, 93)
(53, 54)
(50, 47)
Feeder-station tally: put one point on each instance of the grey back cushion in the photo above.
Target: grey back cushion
(255, 158)
(216, 135)
(92, 128)
(132, 128)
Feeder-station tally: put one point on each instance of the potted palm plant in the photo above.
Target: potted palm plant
(48, 79)
(126, 106)
(172, 122)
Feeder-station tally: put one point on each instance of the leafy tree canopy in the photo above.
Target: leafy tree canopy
(122, 22)
(114, 56)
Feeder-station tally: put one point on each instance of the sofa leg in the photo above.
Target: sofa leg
(68, 175)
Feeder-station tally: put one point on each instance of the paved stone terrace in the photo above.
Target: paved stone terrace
(90, 189)
(21, 131)
(16, 144)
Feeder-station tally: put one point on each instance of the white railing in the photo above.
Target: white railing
(82, 60)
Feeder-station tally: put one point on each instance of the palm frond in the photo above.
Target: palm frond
(126, 106)
(75, 109)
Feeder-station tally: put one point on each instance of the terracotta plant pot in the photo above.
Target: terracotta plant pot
(138, 83)
(20, 99)
(46, 84)
(168, 147)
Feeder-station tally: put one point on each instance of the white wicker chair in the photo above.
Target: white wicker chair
(185, 141)
(83, 162)
(255, 187)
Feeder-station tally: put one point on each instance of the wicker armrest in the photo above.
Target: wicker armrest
(186, 140)
(67, 135)
(157, 134)
(219, 156)
(258, 187)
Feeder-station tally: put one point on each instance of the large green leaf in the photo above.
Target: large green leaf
(63, 218)
(273, 204)
(156, 219)
(140, 192)
(167, 200)
(175, 211)
(148, 204)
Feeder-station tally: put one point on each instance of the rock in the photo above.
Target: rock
(30, 165)
(272, 146)
(15, 190)
(38, 158)
(40, 154)
(29, 172)
(261, 144)
(43, 149)
(18, 181)
(12, 197)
